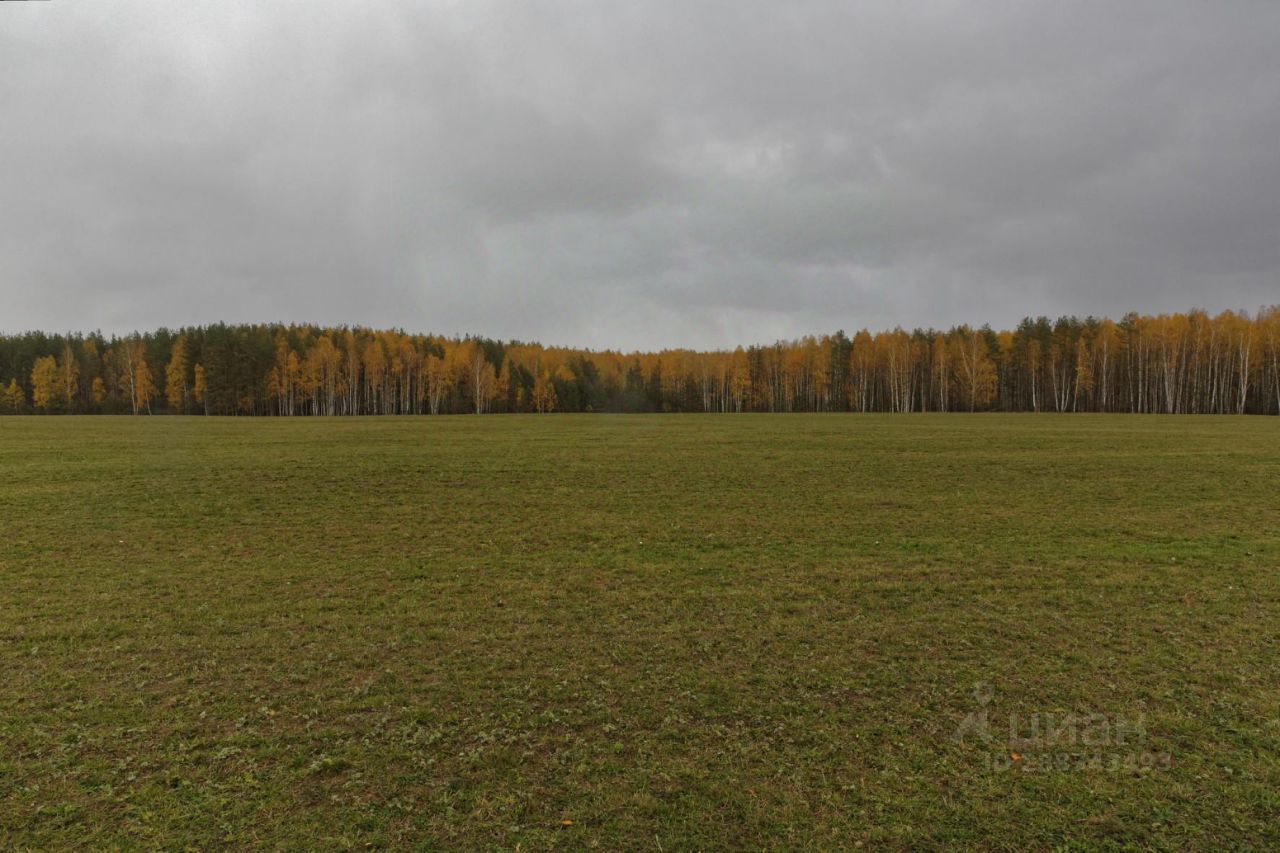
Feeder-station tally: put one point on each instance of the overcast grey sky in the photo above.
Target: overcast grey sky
(634, 174)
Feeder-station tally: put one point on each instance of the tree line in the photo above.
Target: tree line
(1173, 363)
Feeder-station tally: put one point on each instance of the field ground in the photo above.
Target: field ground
(677, 632)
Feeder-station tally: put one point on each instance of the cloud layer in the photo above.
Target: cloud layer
(634, 174)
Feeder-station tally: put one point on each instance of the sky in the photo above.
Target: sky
(635, 175)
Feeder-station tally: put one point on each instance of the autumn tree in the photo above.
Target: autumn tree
(1032, 366)
(91, 371)
(46, 391)
(139, 383)
(68, 374)
(199, 387)
(1105, 348)
(375, 367)
(941, 370)
(175, 375)
(13, 397)
(544, 394)
(977, 372)
(439, 381)
(1270, 321)
(286, 375)
(482, 380)
(1083, 373)
(322, 376)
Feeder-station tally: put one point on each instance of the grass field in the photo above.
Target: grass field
(676, 632)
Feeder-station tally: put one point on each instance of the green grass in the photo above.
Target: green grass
(678, 632)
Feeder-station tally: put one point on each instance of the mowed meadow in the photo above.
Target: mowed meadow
(640, 632)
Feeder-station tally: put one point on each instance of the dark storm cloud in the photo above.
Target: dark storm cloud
(634, 174)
